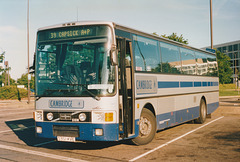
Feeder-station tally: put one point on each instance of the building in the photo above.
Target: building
(232, 49)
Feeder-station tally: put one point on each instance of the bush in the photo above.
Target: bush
(12, 92)
(227, 86)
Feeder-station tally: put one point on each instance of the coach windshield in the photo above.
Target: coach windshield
(75, 62)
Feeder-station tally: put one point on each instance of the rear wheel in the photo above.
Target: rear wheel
(203, 113)
(147, 128)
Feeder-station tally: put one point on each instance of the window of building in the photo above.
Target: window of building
(231, 55)
(219, 49)
(235, 63)
(235, 47)
(230, 48)
(235, 55)
(224, 49)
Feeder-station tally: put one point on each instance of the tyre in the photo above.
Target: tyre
(147, 128)
(202, 112)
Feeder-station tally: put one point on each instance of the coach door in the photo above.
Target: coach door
(126, 88)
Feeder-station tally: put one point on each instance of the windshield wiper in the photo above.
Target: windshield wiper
(50, 91)
(84, 86)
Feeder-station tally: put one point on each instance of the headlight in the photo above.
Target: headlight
(39, 115)
(82, 117)
(50, 116)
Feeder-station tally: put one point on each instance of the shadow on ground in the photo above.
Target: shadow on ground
(25, 131)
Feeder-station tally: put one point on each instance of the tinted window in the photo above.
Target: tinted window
(229, 48)
(219, 49)
(235, 47)
(202, 65)
(230, 55)
(224, 49)
(170, 58)
(188, 61)
(146, 54)
(235, 55)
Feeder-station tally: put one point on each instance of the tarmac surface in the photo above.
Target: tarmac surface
(218, 139)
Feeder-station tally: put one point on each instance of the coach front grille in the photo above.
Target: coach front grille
(67, 131)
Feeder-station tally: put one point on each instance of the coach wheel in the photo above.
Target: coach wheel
(203, 113)
(147, 128)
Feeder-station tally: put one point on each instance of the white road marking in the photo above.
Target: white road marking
(138, 157)
(19, 119)
(40, 144)
(15, 113)
(47, 155)
(6, 131)
(16, 129)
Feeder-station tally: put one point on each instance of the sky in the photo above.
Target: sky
(187, 17)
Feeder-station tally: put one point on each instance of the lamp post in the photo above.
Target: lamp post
(236, 80)
(28, 51)
(211, 24)
(6, 74)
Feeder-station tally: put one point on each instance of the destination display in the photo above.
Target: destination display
(72, 32)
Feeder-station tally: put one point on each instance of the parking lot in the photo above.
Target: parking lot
(216, 140)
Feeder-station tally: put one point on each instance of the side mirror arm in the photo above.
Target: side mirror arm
(113, 55)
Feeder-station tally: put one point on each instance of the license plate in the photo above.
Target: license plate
(66, 139)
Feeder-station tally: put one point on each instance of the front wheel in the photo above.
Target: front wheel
(147, 128)
(203, 113)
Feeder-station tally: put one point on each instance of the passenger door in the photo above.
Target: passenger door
(126, 87)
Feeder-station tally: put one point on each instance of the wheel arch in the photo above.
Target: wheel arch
(150, 107)
(205, 100)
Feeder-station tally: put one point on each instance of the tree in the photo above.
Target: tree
(224, 68)
(2, 79)
(24, 81)
(1, 61)
(174, 37)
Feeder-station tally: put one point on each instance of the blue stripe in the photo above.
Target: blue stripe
(212, 107)
(168, 84)
(176, 117)
(209, 83)
(186, 84)
(204, 84)
(214, 83)
(197, 84)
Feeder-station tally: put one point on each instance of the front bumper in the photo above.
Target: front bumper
(85, 131)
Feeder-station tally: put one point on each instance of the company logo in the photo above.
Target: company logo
(66, 104)
(146, 85)
(60, 103)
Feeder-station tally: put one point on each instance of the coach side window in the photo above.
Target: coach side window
(146, 54)
(170, 58)
(212, 66)
(188, 61)
(202, 65)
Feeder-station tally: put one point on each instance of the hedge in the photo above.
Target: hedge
(12, 92)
